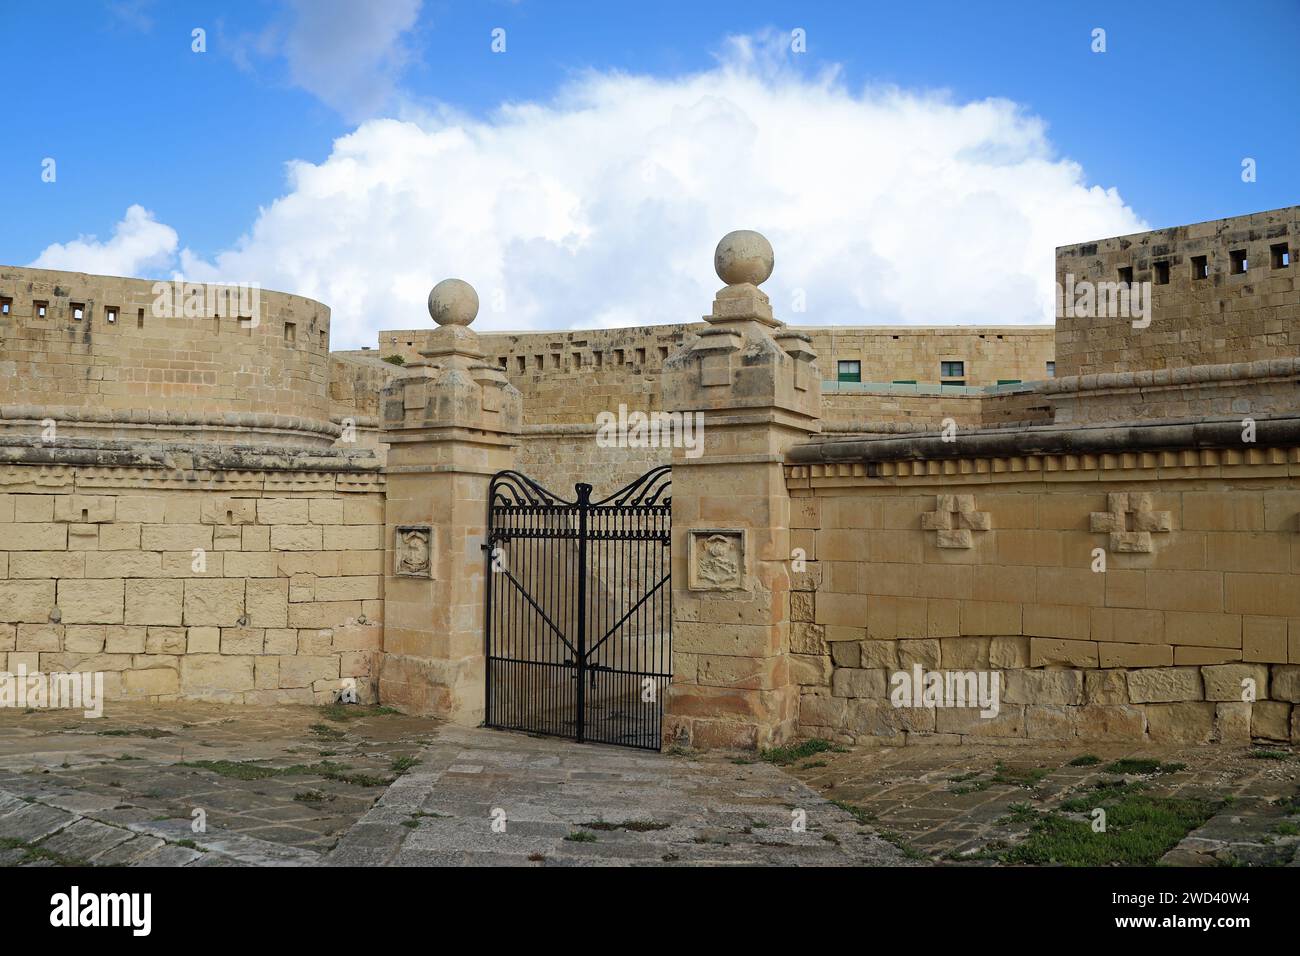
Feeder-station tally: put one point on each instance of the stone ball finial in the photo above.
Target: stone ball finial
(453, 302)
(743, 256)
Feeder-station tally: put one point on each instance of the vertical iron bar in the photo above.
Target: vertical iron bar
(584, 503)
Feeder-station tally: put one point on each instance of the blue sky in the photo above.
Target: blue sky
(113, 92)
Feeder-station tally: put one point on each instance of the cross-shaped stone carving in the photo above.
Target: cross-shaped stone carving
(1129, 520)
(954, 518)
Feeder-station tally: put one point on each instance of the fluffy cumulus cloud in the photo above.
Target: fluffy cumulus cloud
(140, 245)
(602, 206)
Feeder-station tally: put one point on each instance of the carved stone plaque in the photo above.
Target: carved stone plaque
(413, 551)
(717, 559)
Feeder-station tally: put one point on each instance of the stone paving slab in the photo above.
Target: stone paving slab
(558, 803)
(946, 803)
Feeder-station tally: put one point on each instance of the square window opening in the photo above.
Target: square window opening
(952, 369)
(1162, 273)
(39, 309)
(78, 310)
(1126, 275)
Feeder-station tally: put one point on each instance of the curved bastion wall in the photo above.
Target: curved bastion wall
(110, 357)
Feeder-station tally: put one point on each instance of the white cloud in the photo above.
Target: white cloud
(603, 206)
(140, 245)
(347, 53)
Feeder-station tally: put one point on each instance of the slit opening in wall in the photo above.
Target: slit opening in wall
(139, 318)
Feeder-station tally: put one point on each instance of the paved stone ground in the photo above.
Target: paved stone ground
(121, 789)
(943, 802)
(295, 786)
(565, 804)
(282, 786)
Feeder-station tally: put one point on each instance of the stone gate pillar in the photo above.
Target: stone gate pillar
(757, 386)
(451, 421)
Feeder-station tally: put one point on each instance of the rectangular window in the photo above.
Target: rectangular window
(6, 306)
(640, 356)
(110, 314)
(577, 360)
(903, 381)
(1162, 273)
(960, 381)
(1240, 264)
(78, 310)
(39, 309)
(1051, 370)
(1008, 381)
(951, 369)
(1281, 255)
(522, 362)
(663, 352)
(1200, 267)
(1126, 275)
(849, 371)
(139, 318)
(290, 332)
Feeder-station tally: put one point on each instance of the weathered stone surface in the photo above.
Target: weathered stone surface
(1103, 723)
(1165, 685)
(1006, 653)
(1232, 721)
(1270, 719)
(1047, 686)
(1235, 682)
(858, 682)
(1181, 723)
(1105, 687)
(1284, 683)
(926, 653)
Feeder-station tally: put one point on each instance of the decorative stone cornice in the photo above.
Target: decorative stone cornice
(1052, 440)
(17, 418)
(186, 457)
(1150, 465)
(1173, 377)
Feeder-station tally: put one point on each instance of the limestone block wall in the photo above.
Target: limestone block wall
(559, 456)
(120, 357)
(988, 354)
(240, 586)
(566, 377)
(988, 565)
(1240, 304)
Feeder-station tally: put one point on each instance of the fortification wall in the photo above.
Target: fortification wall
(1120, 595)
(243, 584)
(1222, 292)
(101, 354)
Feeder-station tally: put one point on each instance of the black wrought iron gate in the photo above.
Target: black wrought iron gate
(579, 609)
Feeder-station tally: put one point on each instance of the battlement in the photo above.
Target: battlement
(229, 363)
(1222, 291)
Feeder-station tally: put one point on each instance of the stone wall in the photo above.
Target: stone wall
(1216, 316)
(988, 564)
(197, 368)
(254, 586)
